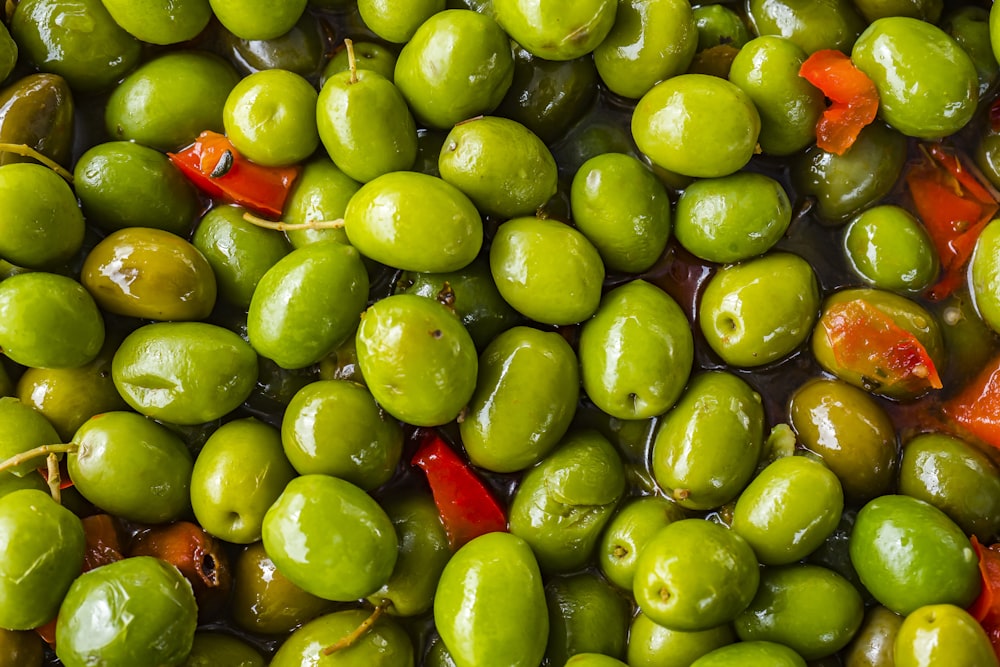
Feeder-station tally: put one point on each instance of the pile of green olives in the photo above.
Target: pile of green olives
(497, 333)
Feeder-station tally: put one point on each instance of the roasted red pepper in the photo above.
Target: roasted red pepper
(218, 170)
(986, 608)
(853, 99)
(976, 409)
(954, 207)
(466, 506)
(103, 541)
(866, 340)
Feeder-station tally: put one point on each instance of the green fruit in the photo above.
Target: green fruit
(525, 399)
(547, 270)
(938, 567)
(159, 23)
(652, 645)
(220, 650)
(985, 277)
(136, 611)
(751, 654)
(372, 56)
(561, 30)
(695, 575)
(833, 24)
(257, 19)
(8, 53)
(239, 473)
(872, 645)
(942, 633)
(384, 644)
(319, 194)
(37, 110)
(707, 447)
(44, 229)
(132, 467)
(330, 538)
(48, 321)
(890, 249)
(307, 304)
(22, 429)
(417, 359)
(627, 533)
(397, 21)
(586, 615)
(636, 352)
(490, 605)
(300, 50)
(563, 503)
(36, 575)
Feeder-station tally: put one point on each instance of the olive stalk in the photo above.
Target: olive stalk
(54, 478)
(291, 227)
(27, 151)
(359, 631)
(43, 450)
(352, 63)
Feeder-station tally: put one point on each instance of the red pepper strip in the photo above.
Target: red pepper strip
(218, 170)
(466, 507)
(866, 340)
(986, 608)
(977, 407)
(954, 207)
(853, 97)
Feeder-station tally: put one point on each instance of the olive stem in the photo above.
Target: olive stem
(289, 227)
(359, 631)
(352, 63)
(54, 479)
(30, 454)
(27, 151)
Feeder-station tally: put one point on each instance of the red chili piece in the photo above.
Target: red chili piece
(977, 407)
(986, 608)
(853, 99)
(954, 207)
(466, 507)
(218, 170)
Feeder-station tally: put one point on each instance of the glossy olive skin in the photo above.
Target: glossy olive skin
(653, 645)
(417, 359)
(739, 329)
(890, 249)
(168, 101)
(255, 19)
(908, 58)
(373, 56)
(501, 165)
(712, 111)
(120, 454)
(620, 205)
(138, 611)
(986, 275)
(37, 110)
(211, 649)
(424, 550)
(547, 270)
(8, 53)
(23, 429)
(548, 96)
(525, 399)
(806, 607)
(35, 576)
(906, 314)
(563, 504)
(939, 566)
(831, 24)
(707, 447)
(184, 372)
(732, 218)
(751, 654)
(872, 645)
(844, 184)
(787, 511)
(330, 538)
(850, 432)
(78, 40)
(122, 184)
(627, 533)
(320, 194)
(265, 600)
(150, 274)
(556, 31)
(942, 632)
(593, 660)
(439, 230)
(636, 352)
(490, 604)
(43, 230)
(695, 575)
(970, 27)
(441, 70)
(334, 427)
(307, 304)
(21, 647)
(299, 50)
(586, 615)
(394, 23)
(385, 644)
(49, 321)
(649, 42)
(240, 471)
(156, 23)
(941, 469)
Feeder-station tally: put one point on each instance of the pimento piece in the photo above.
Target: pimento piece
(853, 99)
(954, 207)
(218, 170)
(867, 341)
(976, 408)
(465, 505)
(103, 541)
(986, 608)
